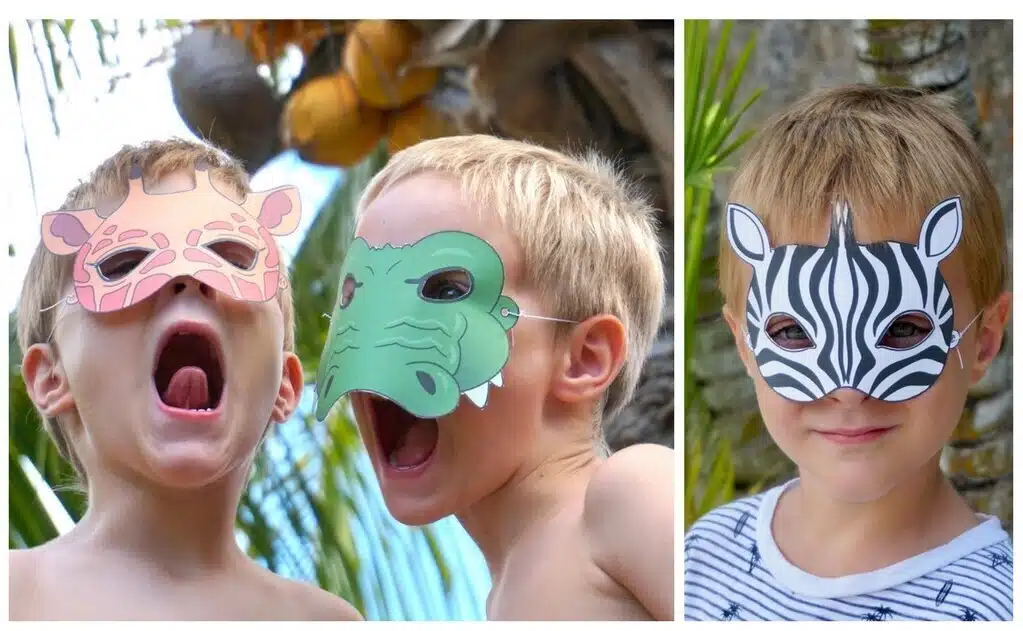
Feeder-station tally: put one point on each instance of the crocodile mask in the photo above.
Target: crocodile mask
(419, 324)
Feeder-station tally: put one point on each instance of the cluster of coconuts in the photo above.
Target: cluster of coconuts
(338, 119)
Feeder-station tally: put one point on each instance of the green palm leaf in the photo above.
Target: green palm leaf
(710, 121)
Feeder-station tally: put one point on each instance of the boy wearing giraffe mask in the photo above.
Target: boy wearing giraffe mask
(496, 306)
(156, 328)
(863, 264)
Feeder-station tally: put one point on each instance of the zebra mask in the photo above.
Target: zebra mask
(845, 297)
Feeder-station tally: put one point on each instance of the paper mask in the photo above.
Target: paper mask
(845, 297)
(126, 255)
(419, 324)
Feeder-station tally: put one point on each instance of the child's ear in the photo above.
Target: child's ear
(596, 351)
(45, 381)
(290, 391)
(740, 338)
(990, 332)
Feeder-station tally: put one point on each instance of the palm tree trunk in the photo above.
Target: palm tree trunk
(932, 55)
(926, 54)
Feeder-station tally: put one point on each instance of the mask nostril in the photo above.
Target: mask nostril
(179, 287)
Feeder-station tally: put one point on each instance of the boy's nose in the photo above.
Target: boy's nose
(848, 395)
(187, 283)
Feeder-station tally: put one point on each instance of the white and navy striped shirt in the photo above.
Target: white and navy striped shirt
(735, 571)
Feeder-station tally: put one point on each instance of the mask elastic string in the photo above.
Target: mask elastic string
(507, 312)
(504, 312)
(960, 338)
(67, 300)
(53, 306)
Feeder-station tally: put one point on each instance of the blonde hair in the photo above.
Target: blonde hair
(893, 153)
(587, 237)
(49, 275)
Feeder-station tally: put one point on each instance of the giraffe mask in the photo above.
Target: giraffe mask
(127, 255)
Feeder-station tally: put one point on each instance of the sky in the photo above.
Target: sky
(95, 123)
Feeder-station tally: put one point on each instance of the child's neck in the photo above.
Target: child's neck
(184, 533)
(829, 537)
(530, 497)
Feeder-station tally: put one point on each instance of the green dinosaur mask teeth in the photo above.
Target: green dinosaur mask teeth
(420, 324)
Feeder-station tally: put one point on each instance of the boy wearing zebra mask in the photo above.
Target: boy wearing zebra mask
(863, 264)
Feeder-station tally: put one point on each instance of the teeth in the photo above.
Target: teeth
(393, 458)
(497, 380)
(478, 395)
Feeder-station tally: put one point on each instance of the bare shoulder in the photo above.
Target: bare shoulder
(22, 566)
(21, 561)
(631, 477)
(629, 521)
(312, 603)
(23, 587)
(322, 605)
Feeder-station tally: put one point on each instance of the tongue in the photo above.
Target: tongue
(415, 445)
(188, 389)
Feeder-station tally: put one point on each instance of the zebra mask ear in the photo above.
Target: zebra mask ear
(941, 230)
(746, 234)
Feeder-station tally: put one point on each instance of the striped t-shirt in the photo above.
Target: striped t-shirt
(735, 571)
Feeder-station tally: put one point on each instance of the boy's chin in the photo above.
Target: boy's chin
(189, 467)
(416, 511)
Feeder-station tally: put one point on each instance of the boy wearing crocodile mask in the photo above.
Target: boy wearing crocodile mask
(497, 304)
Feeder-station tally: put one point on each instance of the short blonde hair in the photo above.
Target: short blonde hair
(587, 236)
(893, 153)
(49, 275)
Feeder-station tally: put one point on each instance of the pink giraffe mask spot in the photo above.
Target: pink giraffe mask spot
(249, 290)
(115, 299)
(67, 227)
(149, 286)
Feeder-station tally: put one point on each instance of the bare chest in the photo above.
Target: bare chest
(120, 594)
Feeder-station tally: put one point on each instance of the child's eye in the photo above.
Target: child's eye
(348, 291)
(788, 334)
(446, 286)
(236, 253)
(906, 331)
(119, 264)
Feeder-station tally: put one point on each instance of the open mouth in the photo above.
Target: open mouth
(189, 372)
(406, 441)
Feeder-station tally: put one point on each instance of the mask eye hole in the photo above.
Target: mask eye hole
(238, 254)
(446, 285)
(348, 288)
(787, 333)
(906, 331)
(117, 265)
